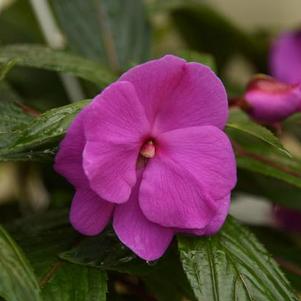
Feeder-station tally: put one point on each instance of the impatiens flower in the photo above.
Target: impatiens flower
(270, 101)
(149, 152)
(285, 57)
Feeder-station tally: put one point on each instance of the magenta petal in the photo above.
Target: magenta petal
(285, 58)
(89, 214)
(218, 220)
(206, 153)
(115, 129)
(272, 101)
(68, 161)
(148, 240)
(154, 82)
(172, 197)
(175, 93)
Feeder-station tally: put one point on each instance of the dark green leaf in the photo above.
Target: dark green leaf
(285, 250)
(106, 252)
(164, 278)
(270, 168)
(258, 150)
(114, 32)
(46, 58)
(7, 93)
(76, 283)
(18, 24)
(292, 125)
(38, 138)
(17, 280)
(277, 191)
(232, 265)
(205, 30)
(239, 122)
(42, 238)
(6, 67)
(254, 157)
(12, 113)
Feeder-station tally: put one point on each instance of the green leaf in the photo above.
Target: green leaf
(6, 67)
(239, 122)
(263, 160)
(232, 265)
(12, 112)
(45, 58)
(164, 277)
(114, 32)
(17, 280)
(292, 125)
(285, 250)
(76, 283)
(38, 139)
(259, 151)
(269, 188)
(7, 93)
(206, 30)
(42, 238)
(272, 169)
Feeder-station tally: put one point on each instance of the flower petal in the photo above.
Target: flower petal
(285, 58)
(218, 220)
(154, 82)
(271, 101)
(148, 240)
(206, 153)
(68, 161)
(115, 129)
(172, 197)
(89, 214)
(177, 94)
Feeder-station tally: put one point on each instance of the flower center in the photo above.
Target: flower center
(148, 150)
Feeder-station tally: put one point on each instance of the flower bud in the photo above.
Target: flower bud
(285, 57)
(270, 101)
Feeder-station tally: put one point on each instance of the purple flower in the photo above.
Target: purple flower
(270, 101)
(285, 57)
(149, 151)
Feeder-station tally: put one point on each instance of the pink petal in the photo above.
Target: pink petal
(206, 153)
(176, 94)
(285, 58)
(172, 197)
(148, 240)
(68, 161)
(89, 214)
(154, 81)
(218, 220)
(115, 131)
(272, 101)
